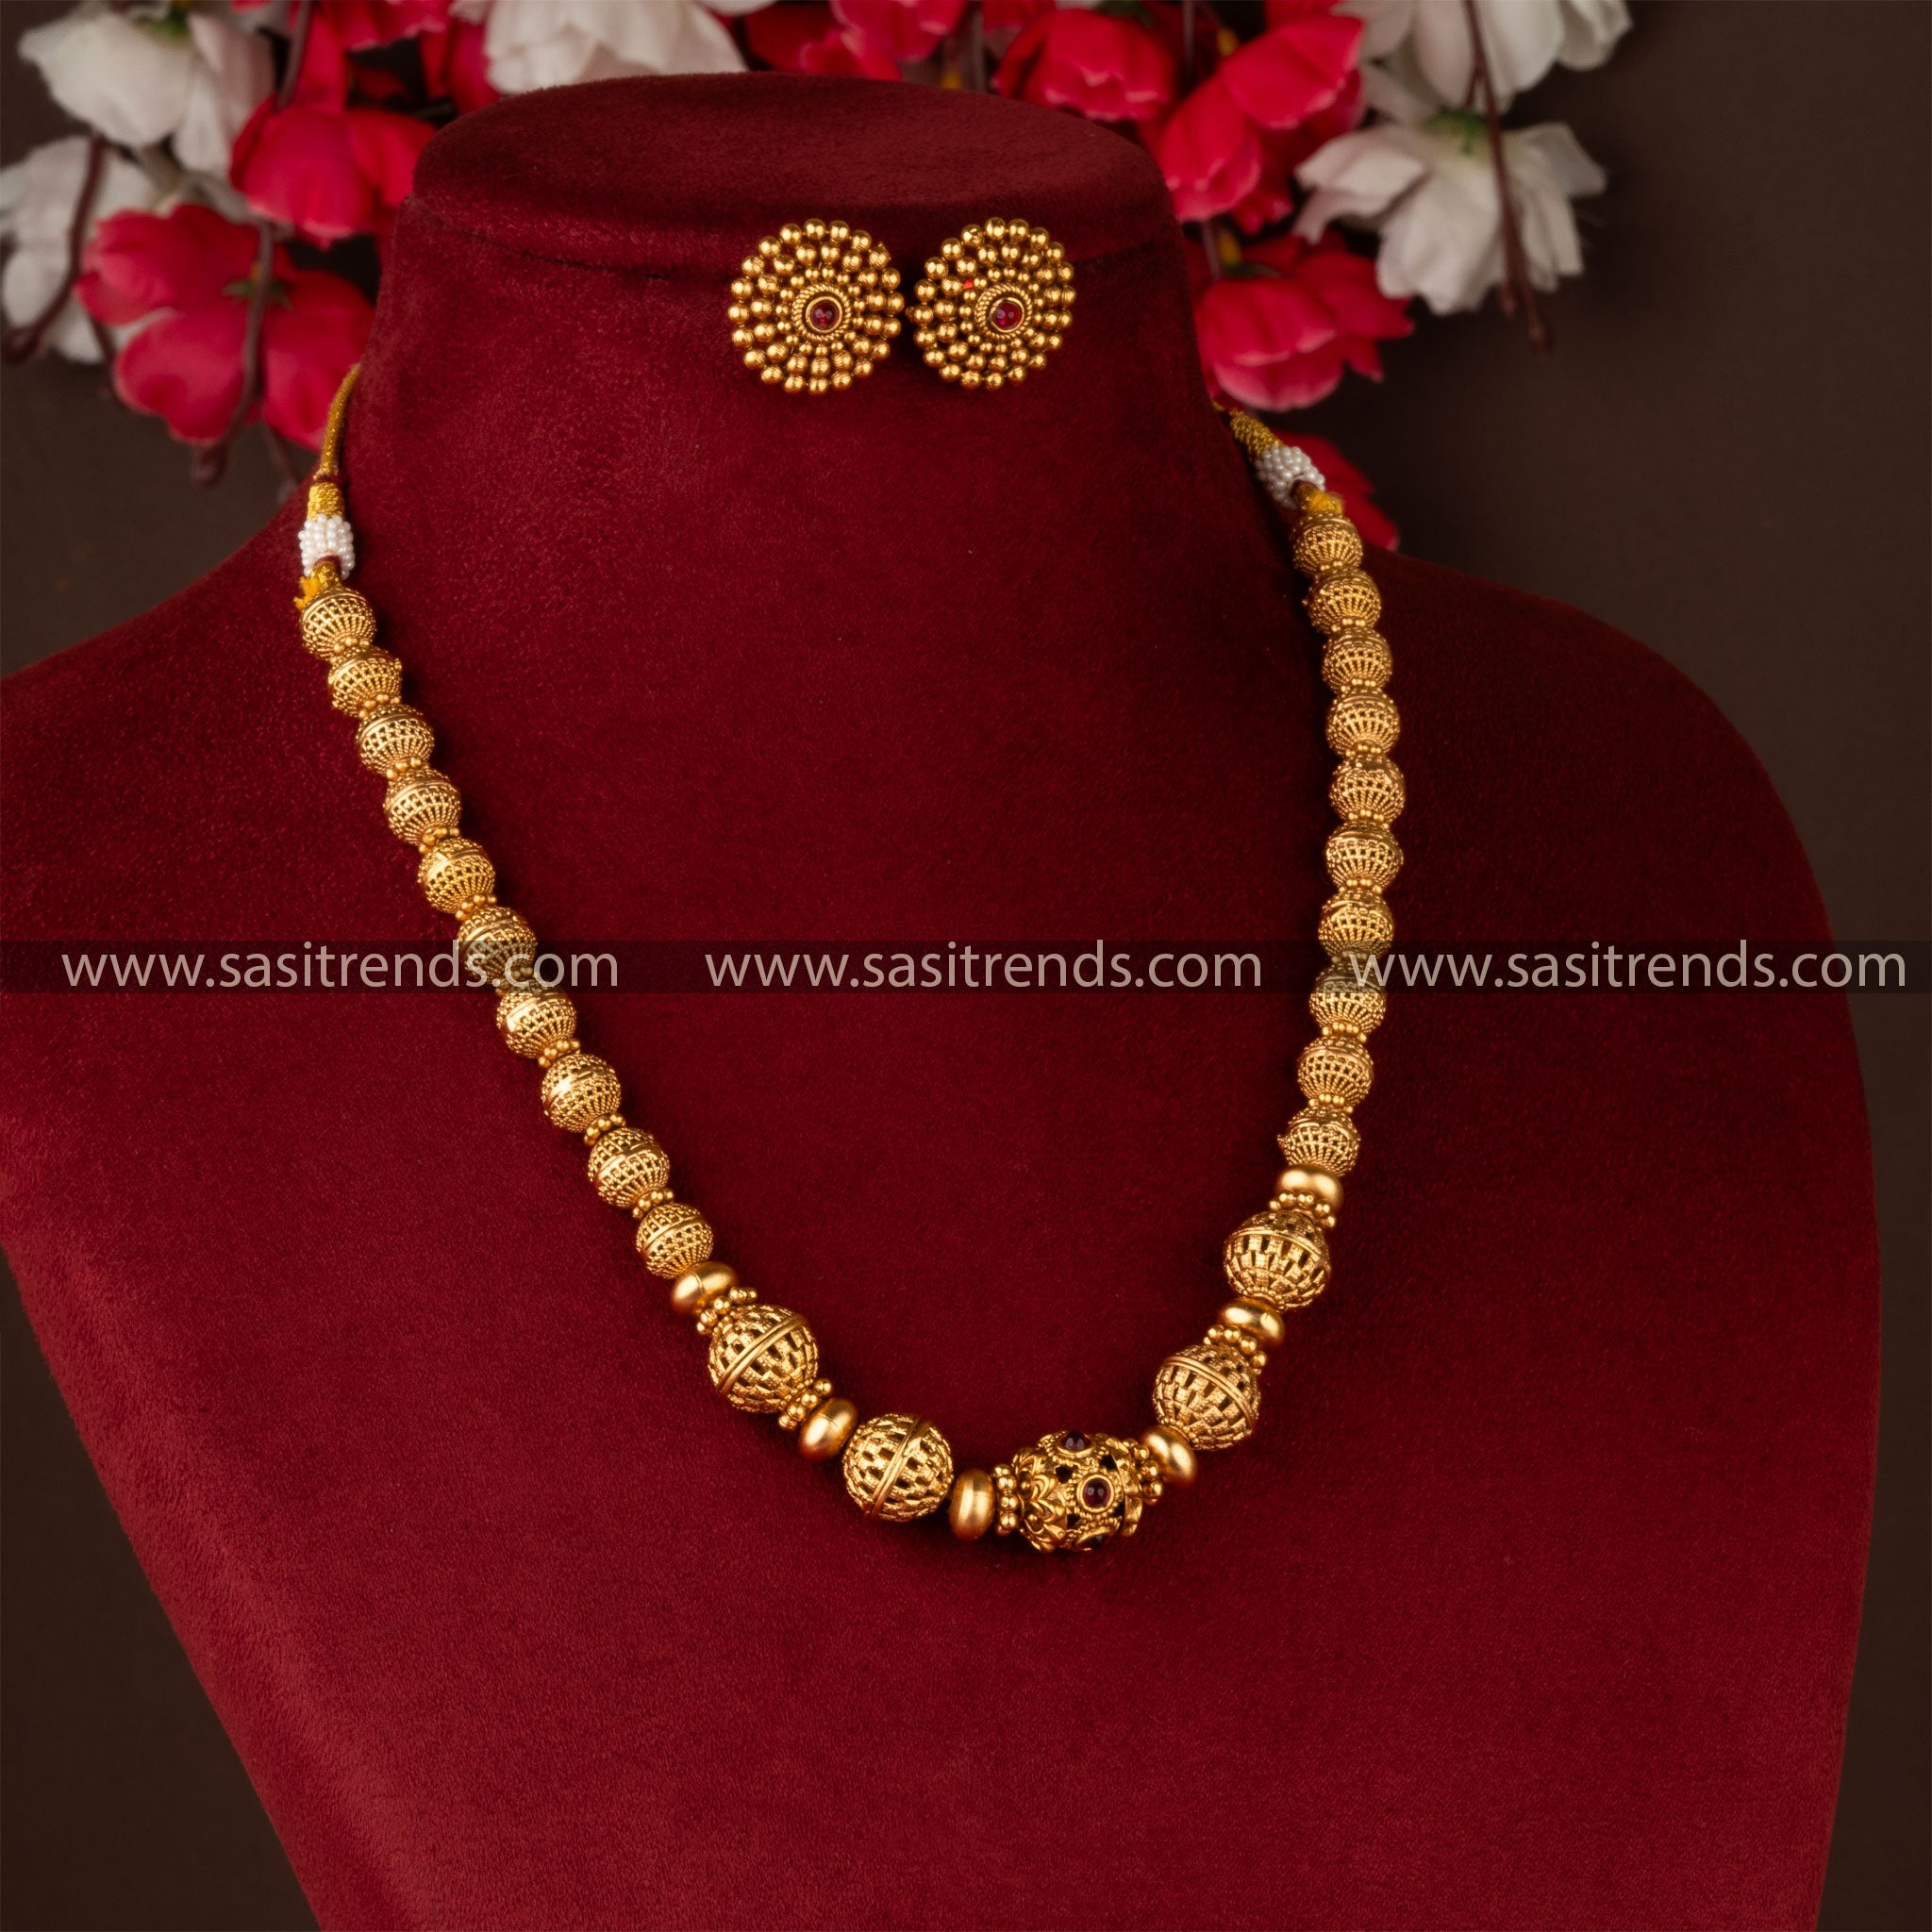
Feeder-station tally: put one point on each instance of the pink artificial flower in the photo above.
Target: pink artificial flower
(806, 40)
(327, 171)
(1272, 198)
(1298, 67)
(1355, 490)
(1102, 67)
(1277, 329)
(899, 30)
(194, 272)
(1208, 153)
(338, 28)
(453, 66)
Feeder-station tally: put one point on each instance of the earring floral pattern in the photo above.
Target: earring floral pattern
(816, 307)
(993, 305)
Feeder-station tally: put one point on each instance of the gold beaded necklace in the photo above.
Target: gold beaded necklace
(1069, 1489)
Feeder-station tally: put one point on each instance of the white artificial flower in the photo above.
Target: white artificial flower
(38, 197)
(140, 79)
(1522, 39)
(533, 44)
(1431, 189)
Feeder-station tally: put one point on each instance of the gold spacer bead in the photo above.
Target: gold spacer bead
(1175, 1455)
(697, 1287)
(825, 1431)
(973, 1505)
(1254, 1318)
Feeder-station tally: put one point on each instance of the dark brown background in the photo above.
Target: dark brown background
(1727, 457)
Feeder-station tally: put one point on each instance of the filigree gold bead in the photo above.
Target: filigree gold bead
(1346, 600)
(1357, 660)
(1209, 1396)
(1368, 787)
(579, 1090)
(396, 738)
(1344, 1000)
(1356, 925)
(625, 1165)
(338, 623)
(1324, 544)
(360, 683)
(761, 1359)
(420, 805)
(1174, 1454)
(898, 1467)
(1277, 1258)
(532, 1020)
(1363, 723)
(1363, 854)
(496, 945)
(1321, 1137)
(1256, 1319)
(1335, 1071)
(972, 1506)
(456, 877)
(697, 1287)
(825, 1431)
(672, 1237)
(1077, 1492)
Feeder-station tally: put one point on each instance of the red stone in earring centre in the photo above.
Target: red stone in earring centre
(1006, 315)
(823, 315)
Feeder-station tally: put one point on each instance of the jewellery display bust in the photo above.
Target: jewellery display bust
(1534, 1600)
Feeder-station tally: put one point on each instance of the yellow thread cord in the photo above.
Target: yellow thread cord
(326, 465)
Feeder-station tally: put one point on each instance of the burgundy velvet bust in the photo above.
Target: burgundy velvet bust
(1533, 1602)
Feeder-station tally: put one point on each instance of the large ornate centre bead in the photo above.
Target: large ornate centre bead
(1078, 1491)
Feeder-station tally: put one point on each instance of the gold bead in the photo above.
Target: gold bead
(339, 623)
(1335, 1071)
(1362, 854)
(419, 803)
(496, 945)
(1210, 1396)
(625, 1165)
(1255, 1318)
(1356, 925)
(1325, 544)
(697, 1287)
(826, 1430)
(1347, 1003)
(1173, 1453)
(672, 1237)
(761, 1357)
(1279, 1257)
(898, 1467)
(1357, 660)
(972, 1506)
(1363, 723)
(1321, 1137)
(359, 684)
(1077, 1492)
(1368, 787)
(580, 1089)
(1311, 1188)
(455, 875)
(533, 1019)
(395, 740)
(1347, 600)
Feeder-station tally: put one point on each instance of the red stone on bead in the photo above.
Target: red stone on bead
(823, 315)
(1007, 314)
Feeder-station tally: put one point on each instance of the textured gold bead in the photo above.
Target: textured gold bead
(762, 1358)
(1346, 1001)
(1255, 1318)
(973, 1505)
(338, 623)
(1368, 787)
(395, 740)
(1277, 1258)
(534, 1019)
(1210, 1396)
(359, 684)
(1321, 1137)
(1347, 600)
(1357, 660)
(419, 803)
(1356, 925)
(672, 1237)
(1363, 854)
(580, 1089)
(1335, 1071)
(1173, 1453)
(496, 945)
(698, 1286)
(1363, 723)
(1077, 1492)
(455, 875)
(898, 1467)
(825, 1431)
(626, 1164)
(1324, 544)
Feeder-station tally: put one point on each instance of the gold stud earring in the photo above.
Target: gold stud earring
(815, 307)
(993, 305)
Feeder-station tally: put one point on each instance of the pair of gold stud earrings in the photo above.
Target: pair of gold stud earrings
(819, 304)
